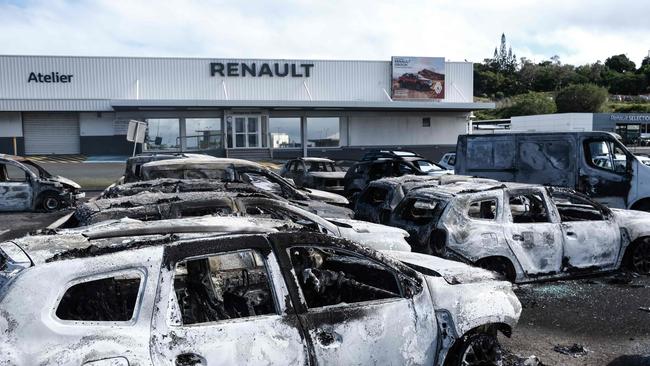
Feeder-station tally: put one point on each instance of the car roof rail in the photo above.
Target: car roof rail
(177, 229)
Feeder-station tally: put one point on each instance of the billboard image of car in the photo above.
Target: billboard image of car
(418, 77)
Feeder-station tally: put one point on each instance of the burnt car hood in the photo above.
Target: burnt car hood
(323, 196)
(63, 181)
(327, 175)
(375, 236)
(437, 173)
(453, 272)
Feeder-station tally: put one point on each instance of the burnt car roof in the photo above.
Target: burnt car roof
(320, 160)
(203, 163)
(13, 157)
(104, 238)
(460, 188)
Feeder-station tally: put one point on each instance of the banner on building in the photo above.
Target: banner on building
(418, 77)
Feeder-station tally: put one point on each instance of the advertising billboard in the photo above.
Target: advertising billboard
(418, 77)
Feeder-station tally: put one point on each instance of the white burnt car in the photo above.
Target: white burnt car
(525, 232)
(241, 291)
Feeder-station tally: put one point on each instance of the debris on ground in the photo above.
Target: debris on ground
(574, 350)
(510, 359)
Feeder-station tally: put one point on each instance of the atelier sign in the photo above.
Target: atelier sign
(242, 69)
(53, 77)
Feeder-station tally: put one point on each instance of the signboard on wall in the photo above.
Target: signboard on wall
(418, 77)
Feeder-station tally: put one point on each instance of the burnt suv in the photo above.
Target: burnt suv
(318, 173)
(237, 291)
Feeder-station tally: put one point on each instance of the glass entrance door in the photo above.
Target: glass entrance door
(247, 132)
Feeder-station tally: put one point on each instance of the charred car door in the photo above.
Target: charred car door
(355, 309)
(606, 172)
(532, 231)
(16, 193)
(224, 302)
(591, 236)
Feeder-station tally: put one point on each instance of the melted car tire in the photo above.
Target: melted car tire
(50, 202)
(479, 349)
(640, 257)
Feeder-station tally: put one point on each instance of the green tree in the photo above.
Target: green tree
(620, 63)
(581, 98)
(627, 83)
(529, 104)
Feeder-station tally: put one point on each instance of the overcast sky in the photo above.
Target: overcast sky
(579, 31)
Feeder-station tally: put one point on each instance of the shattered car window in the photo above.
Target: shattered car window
(427, 166)
(106, 299)
(483, 210)
(374, 196)
(528, 208)
(329, 277)
(225, 286)
(575, 208)
(322, 167)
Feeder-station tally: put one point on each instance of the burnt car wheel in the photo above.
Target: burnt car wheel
(640, 257)
(480, 349)
(50, 202)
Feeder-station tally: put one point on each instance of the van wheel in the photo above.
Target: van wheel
(640, 257)
(50, 202)
(499, 265)
(479, 349)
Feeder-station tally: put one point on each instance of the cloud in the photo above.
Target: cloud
(578, 31)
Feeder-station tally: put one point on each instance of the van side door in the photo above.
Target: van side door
(546, 159)
(605, 171)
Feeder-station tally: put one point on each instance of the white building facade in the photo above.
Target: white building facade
(225, 107)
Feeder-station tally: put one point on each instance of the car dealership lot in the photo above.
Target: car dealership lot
(601, 314)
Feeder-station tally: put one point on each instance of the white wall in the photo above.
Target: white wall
(92, 124)
(189, 78)
(553, 122)
(382, 129)
(11, 124)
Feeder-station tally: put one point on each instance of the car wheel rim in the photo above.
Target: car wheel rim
(483, 351)
(51, 203)
(641, 258)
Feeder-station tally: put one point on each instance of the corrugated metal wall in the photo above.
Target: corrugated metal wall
(105, 78)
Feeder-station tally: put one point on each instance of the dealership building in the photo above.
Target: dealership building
(247, 108)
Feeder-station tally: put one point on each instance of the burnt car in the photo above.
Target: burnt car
(149, 206)
(319, 173)
(26, 186)
(525, 232)
(376, 202)
(360, 174)
(448, 160)
(171, 185)
(378, 154)
(133, 164)
(241, 291)
(235, 170)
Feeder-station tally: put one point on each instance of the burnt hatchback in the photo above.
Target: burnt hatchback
(26, 186)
